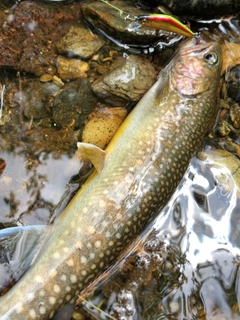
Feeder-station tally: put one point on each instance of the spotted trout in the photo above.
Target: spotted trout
(135, 177)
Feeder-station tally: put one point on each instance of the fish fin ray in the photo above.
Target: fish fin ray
(92, 153)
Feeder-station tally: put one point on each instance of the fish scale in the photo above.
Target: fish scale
(144, 163)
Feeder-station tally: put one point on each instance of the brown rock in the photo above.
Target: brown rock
(102, 126)
(80, 42)
(29, 36)
(71, 68)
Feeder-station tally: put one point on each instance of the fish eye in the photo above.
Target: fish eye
(211, 58)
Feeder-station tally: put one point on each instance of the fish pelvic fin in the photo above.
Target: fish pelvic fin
(93, 154)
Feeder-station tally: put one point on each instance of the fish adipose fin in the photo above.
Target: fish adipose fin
(93, 154)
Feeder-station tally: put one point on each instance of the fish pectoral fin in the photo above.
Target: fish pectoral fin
(93, 154)
(18, 248)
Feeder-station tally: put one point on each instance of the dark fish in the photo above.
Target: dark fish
(135, 177)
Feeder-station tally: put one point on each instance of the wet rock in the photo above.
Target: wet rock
(73, 104)
(128, 79)
(37, 99)
(216, 158)
(46, 77)
(123, 29)
(233, 84)
(29, 36)
(204, 8)
(124, 306)
(224, 128)
(233, 148)
(79, 42)
(102, 125)
(235, 115)
(71, 68)
(58, 81)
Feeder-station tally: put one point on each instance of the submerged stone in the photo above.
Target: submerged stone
(79, 42)
(124, 29)
(73, 104)
(128, 79)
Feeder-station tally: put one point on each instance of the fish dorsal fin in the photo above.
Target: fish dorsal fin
(92, 153)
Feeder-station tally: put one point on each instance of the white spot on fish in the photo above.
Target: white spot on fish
(63, 277)
(95, 214)
(56, 255)
(92, 255)
(42, 310)
(89, 245)
(32, 313)
(84, 272)
(91, 230)
(73, 278)
(42, 293)
(56, 288)
(39, 279)
(52, 300)
(19, 307)
(30, 297)
(89, 277)
(70, 262)
(102, 204)
(68, 297)
(53, 273)
(120, 195)
(107, 234)
(104, 224)
(78, 244)
(98, 244)
(68, 288)
(83, 259)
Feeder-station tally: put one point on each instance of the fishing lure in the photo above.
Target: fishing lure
(167, 23)
(158, 21)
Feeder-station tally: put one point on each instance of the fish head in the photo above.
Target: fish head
(197, 67)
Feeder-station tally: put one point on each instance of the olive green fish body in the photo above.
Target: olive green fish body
(144, 163)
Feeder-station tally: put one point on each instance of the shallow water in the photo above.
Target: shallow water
(200, 277)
